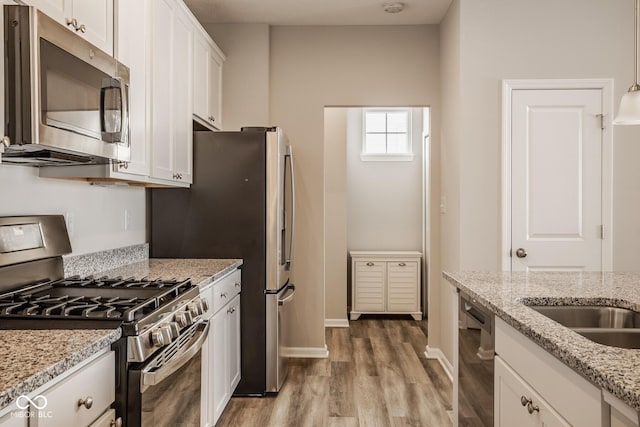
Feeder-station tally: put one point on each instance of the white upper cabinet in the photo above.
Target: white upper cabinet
(132, 26)
(171, 92)
(207, 81)
(91, 19)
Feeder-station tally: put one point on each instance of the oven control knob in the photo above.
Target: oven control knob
(181, 320)
(157, 338)
(184, 319)
(175, 329)
(167, 333)
(195, 309)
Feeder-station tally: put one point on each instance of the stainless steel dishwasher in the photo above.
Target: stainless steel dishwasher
(475, 363)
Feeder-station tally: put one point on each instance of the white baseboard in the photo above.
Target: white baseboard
(336, 323)
(306, 352)
(436, 353)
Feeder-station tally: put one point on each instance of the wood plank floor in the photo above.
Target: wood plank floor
(376, 375)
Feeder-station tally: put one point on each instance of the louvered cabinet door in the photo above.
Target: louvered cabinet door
(402, 286)
(369, 286)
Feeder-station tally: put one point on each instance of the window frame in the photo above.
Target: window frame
(385, 157)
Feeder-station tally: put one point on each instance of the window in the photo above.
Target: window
(387, 134)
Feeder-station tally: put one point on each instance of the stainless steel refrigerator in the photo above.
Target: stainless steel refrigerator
(241, 205)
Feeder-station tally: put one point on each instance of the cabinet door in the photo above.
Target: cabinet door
(200, 76)
(97, 18)
(369, 286)
(206, 412)
(182, 89)
(214, 86)
(510, 391)
(60, 10)
(131, 50)
(161, 91)
(234, 343)
(219, 356)
(402, 286)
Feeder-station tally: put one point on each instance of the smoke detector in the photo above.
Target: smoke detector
(395, 7)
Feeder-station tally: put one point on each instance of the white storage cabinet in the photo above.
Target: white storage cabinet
(207, 80)
(221, 352)
(385, 282)
(526, 373)
(79, 397)
(90, 19)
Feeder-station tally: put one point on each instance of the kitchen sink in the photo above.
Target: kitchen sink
(577, 316)
(613, 326)
(625, 338)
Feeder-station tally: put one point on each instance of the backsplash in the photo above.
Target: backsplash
(89, 264)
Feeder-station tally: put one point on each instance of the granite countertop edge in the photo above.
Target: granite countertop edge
(42, 377)
(601, 365)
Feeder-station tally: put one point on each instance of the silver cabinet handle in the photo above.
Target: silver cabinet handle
(82, 28)
(116, 423)
(237, 284)
(370, 264)
(231, 310)
(223, 295)
(212, 119)
(72, 23)
(524, 401)
(86, 402)
(531, 408)
(402, 264)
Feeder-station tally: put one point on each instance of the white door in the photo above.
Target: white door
(556, 179)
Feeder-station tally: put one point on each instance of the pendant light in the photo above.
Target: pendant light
(629, 111)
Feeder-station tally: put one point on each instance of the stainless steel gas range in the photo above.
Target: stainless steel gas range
(162, 322)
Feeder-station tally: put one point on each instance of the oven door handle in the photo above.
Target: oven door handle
(149, 379)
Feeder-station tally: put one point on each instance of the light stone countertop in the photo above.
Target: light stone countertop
(200, 271)
(616, 370)
(31, 358)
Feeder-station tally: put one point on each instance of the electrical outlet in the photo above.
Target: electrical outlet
(68, 219)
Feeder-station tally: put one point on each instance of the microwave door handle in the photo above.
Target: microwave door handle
(289, 155)
(114, 135)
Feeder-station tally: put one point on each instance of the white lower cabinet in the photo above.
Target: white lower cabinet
(385, 282)
(553, 393)
(517, 404)
(221, 353)
(79, 397)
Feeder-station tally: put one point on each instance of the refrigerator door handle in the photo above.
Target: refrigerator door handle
(291, 287)
(293, 207)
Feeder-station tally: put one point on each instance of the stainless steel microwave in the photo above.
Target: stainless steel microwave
(66, 101)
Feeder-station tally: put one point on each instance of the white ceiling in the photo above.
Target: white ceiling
(317, 12)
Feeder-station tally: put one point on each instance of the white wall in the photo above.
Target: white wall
(313, 67)
(97, 213)
(245, 82)
(485, 42)
(384, 198)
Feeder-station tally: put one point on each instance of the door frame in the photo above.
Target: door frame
(606, 86)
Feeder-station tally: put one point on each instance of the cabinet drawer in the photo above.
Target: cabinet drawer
(95, 381)
(369, 286)
(108, 419)
(225, 289)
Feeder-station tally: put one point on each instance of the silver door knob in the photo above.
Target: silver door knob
(521, 253)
